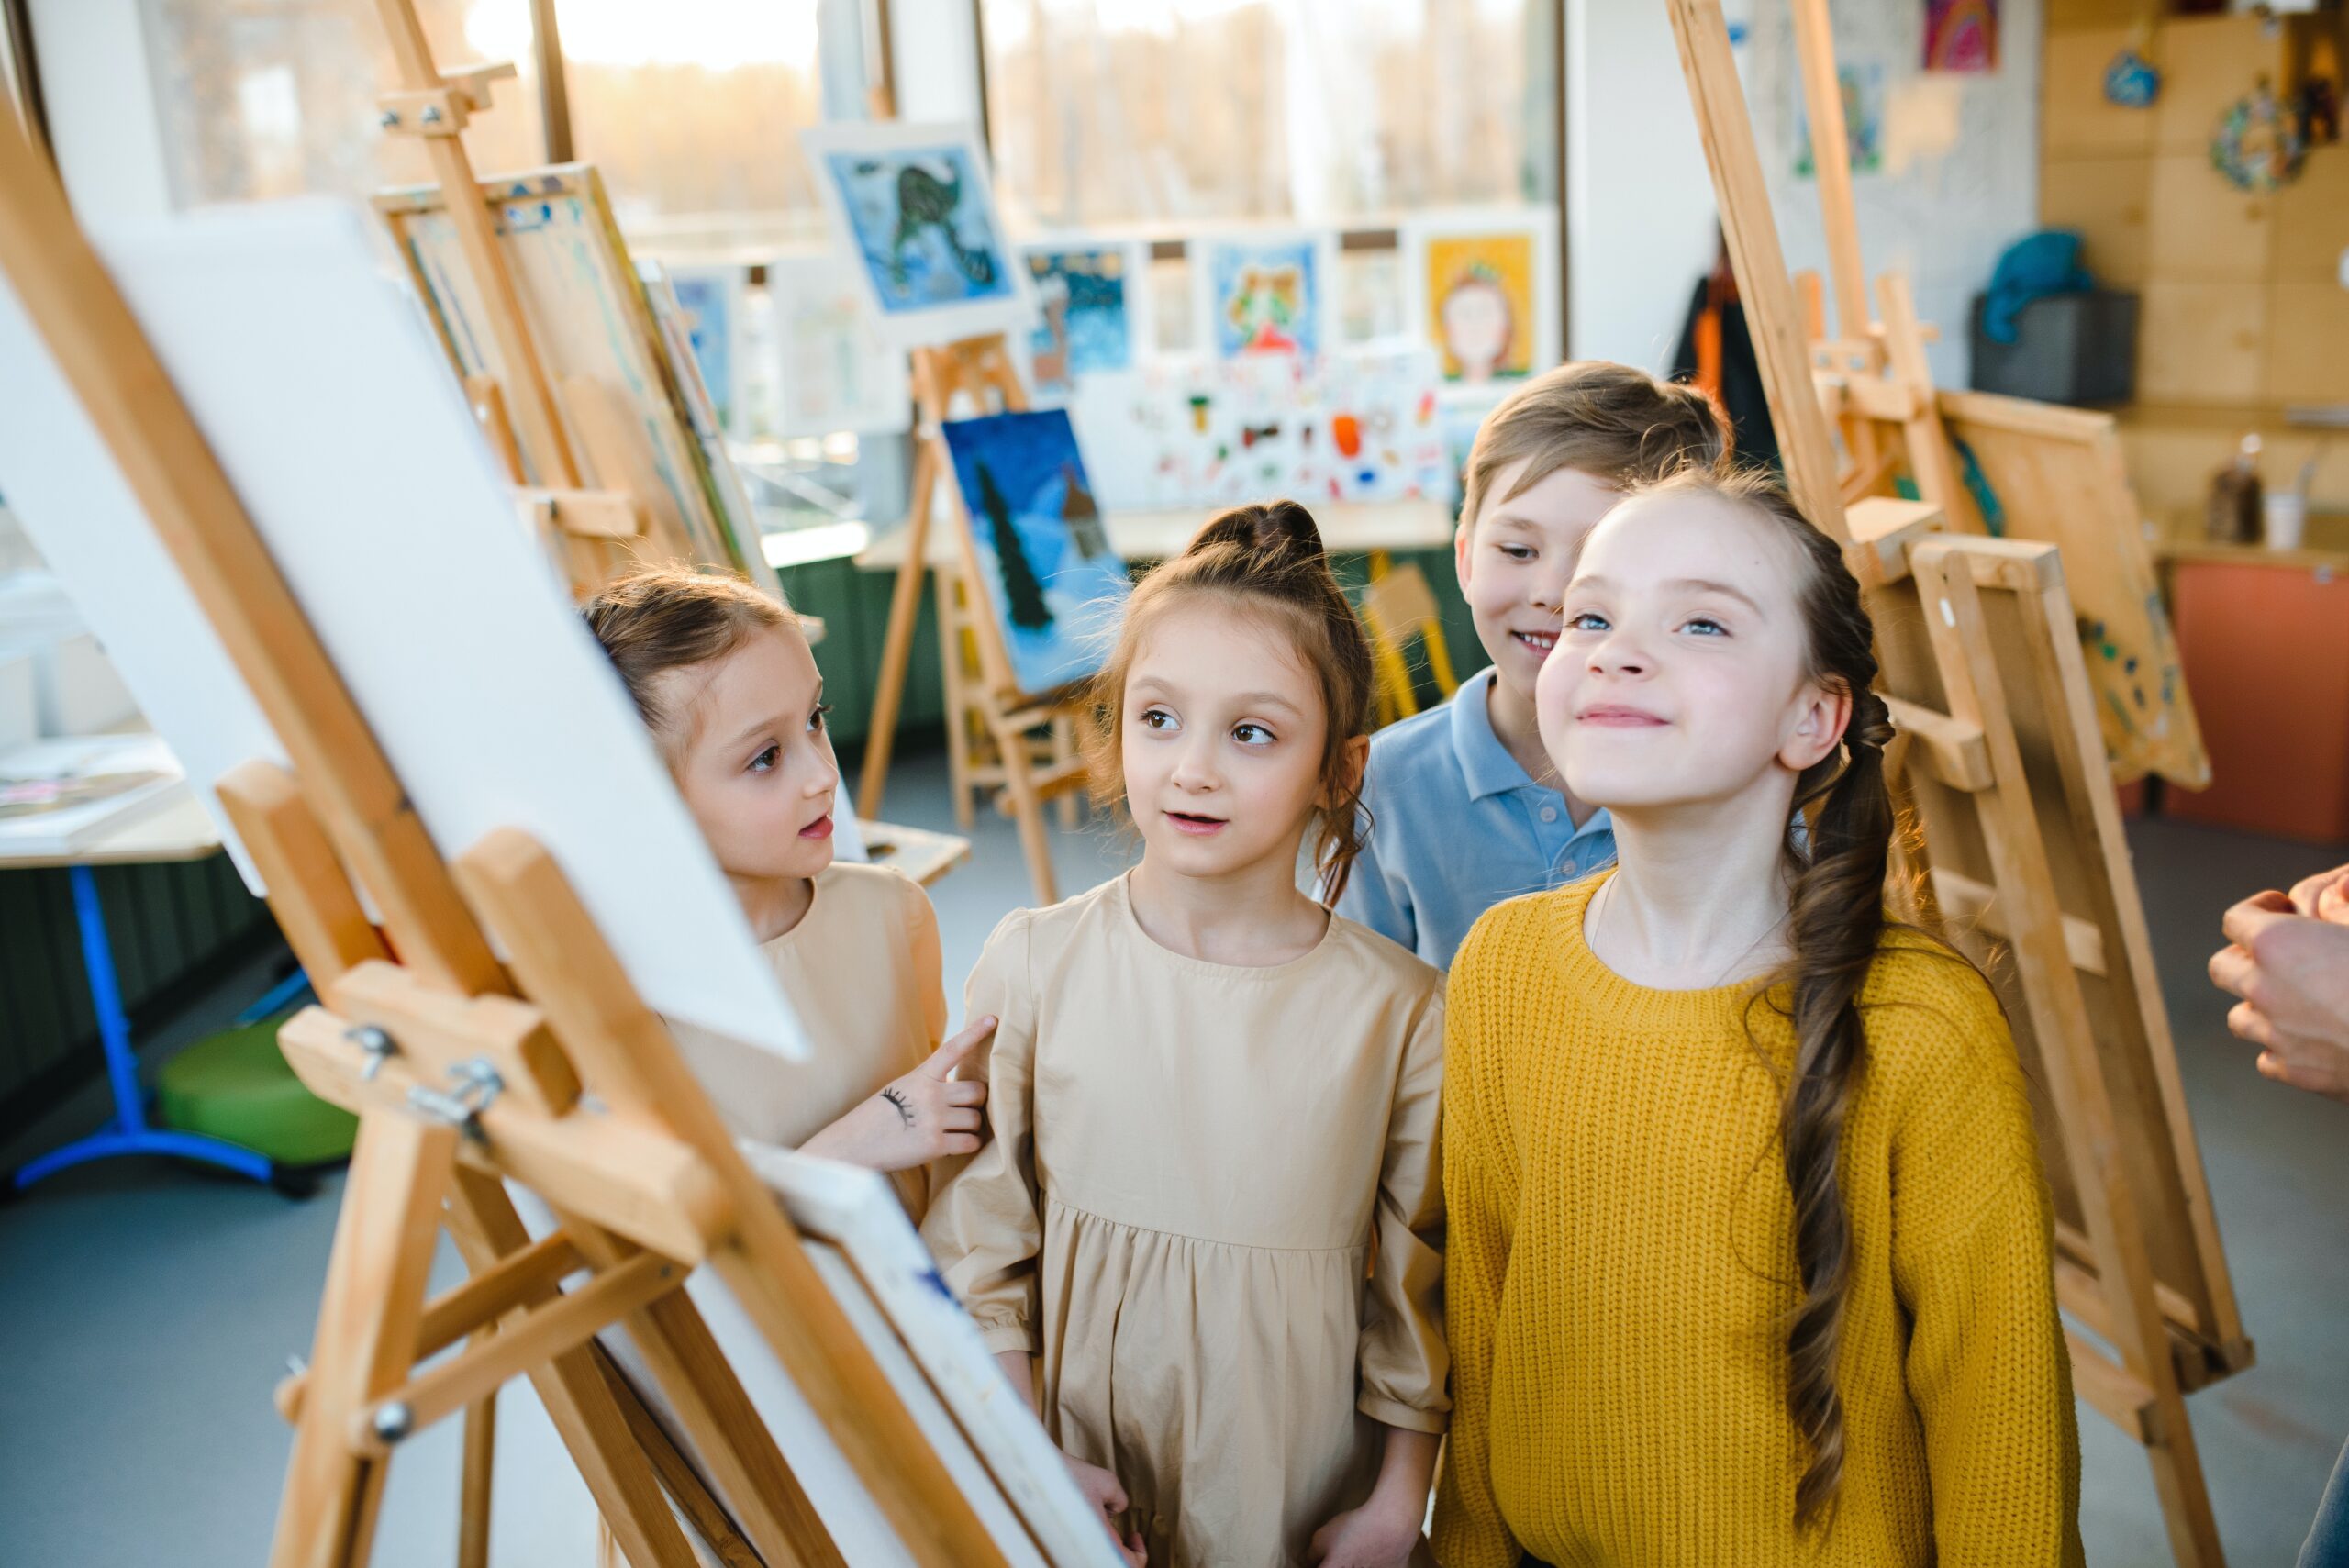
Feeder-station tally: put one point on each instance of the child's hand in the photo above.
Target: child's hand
(1379, 1534)
(922, 1117)
(1101, 1490)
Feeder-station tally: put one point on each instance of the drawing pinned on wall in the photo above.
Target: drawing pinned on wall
(1864, 91)
(1360, 426)
(1093, 302)
(712, 300)
(911, 209)
(1051, 577)
(1962, 35)
(1261, 293)
(836, 374)
(1484, 292)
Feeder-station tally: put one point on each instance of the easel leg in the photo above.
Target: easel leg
(577, 1399)
(367, 1319)
(959, 739)
(1027, 806)
(898, 643)
(480, 1462)
(1064, 752)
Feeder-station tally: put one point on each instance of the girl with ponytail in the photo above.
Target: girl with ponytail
(1750, 1248)
(1204, 1239)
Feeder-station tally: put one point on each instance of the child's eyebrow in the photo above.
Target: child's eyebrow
(770, 722)
(1706, 585)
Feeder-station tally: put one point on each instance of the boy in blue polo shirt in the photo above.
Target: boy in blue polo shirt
(1465, 807)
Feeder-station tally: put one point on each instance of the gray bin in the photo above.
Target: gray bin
(2079, 348)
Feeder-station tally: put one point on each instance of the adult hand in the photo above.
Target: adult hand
(2289, 964)
(1101, 1489)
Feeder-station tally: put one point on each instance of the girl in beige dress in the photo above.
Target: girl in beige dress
(1204, 1238)
(723, 677)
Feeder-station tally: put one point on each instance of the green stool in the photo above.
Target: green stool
(236, 1085)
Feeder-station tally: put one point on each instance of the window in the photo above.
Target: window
(1174, 112)
(266, 98)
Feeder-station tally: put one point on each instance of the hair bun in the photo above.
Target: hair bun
(1276, 530)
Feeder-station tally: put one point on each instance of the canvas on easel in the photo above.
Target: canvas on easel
(2001, 752)
(540, 1065)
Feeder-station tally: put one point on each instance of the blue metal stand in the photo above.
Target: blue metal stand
(127, 1132)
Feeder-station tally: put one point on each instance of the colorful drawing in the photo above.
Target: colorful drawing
(1362, 425)
(1480, 304)
(1092, 301)
(1265, 295)
(1051, 577)
(712, 300)
(1961, 35)
(910, 207)
(1862, 85)
(836, 372)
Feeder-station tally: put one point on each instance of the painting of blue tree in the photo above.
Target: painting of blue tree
(1053, 584)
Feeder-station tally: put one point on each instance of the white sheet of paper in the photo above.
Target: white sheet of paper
(320, 391)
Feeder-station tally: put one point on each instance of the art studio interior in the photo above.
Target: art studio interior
(1183, 783)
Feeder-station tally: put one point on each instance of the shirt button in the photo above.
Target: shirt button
(1549, 814)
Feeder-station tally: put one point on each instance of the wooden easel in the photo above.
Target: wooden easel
(2001, 757)
(546, 1069)
(983, 705)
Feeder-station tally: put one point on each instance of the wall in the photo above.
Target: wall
(1640, 213)
(1960, 176)
(101, 111)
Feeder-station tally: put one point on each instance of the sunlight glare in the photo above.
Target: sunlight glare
(716, 34)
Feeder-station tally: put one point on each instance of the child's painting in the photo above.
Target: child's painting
(1093, 304)
(1265, 293)
(1053, 582)
(1484, 294)
(1962, 35)
(1862, 85)
(711, 299)
(1360, 426)
(836, 374)
(911, 208)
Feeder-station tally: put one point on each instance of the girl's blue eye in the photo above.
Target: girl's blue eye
(1243, 732)
(1706, 625)
(767, 761)
(1589, 620)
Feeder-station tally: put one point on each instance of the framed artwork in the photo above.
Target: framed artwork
(1052, 581)
(1482, 290)
(912, 212)
(1265, 292)
(836, 374)
(1092, 310)
(1962, 35)
(711, 299)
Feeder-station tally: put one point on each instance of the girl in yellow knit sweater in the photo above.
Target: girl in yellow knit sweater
(1750, 1248)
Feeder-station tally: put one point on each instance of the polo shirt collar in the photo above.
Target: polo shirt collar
(1484, 762)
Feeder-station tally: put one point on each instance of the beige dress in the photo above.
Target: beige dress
(1194, 1167)
(862, 970)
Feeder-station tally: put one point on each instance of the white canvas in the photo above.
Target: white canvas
(835, 372)
(321, 393)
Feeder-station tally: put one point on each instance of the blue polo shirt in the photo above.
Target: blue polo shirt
(1456, 825)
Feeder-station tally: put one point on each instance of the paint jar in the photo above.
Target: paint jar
(2284, 518)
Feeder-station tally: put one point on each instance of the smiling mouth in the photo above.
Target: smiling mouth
(1620, 719)
(1541, 642)
(1194, 824)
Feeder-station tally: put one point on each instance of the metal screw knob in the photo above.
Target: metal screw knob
(389, 120)
(378, 1046)
(394, 1421)
(431, 113)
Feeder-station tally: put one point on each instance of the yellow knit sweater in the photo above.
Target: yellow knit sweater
(1622, 1260)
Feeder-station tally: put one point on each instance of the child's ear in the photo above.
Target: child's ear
(1463, 540)
(1351, 759)
(1816, 724)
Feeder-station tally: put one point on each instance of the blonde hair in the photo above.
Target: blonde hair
(1267, 558)
(1613, 422)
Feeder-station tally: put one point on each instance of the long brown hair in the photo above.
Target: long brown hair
(1837, 867)
(1269, 560)
(659, 618)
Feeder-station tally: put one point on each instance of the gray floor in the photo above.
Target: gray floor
(146, 1311)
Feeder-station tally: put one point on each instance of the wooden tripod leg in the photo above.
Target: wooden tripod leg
(1027, 805)
(473, 1497)
(577, 1399)
(368, 1321)
(683, 1483)
(897, 642)
(961, 765)
(1063, 753)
